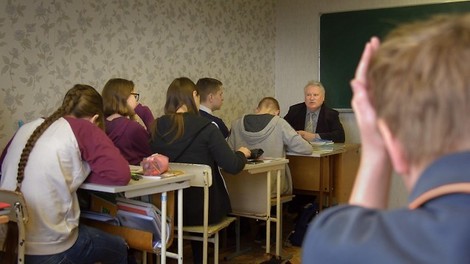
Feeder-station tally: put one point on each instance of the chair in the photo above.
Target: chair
(19, 214)
(210, 233)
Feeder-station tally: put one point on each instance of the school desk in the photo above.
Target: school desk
(329, 171)
(153, 185)
(250, 196)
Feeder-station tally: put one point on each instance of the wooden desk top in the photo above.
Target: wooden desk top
(266, 165)
(323, 151)
(146, 185)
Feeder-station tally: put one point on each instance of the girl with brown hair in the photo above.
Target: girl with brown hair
(185, 136)
(121, 105)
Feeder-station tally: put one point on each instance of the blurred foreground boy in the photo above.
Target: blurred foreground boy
(411, 99)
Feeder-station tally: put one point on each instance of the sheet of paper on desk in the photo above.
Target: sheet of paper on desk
(262, 160)
(136, 169)
(321, 142)
(171, 173)
(322, 150)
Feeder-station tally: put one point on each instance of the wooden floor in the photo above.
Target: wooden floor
(257, 253)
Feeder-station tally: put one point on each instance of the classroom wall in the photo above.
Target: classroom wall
(297, 56)
(47, 46)
(257, 48)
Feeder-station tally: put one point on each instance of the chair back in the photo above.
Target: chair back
(19, 214)
(202, 173)
(202, 179)
(18, 210)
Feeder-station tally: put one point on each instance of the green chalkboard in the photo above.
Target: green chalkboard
(344, 34)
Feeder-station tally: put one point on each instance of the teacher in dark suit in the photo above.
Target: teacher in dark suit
(313, 119)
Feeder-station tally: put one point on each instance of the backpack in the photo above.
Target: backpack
(309, 211)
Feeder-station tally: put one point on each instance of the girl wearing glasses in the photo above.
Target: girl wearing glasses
(120, 109)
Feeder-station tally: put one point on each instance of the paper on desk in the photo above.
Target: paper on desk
(171, 173)
(138, 171)
(321, 142)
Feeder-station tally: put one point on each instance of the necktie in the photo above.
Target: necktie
(309, 126)
(314, 122)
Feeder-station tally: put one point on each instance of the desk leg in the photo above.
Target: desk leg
(180, 226)
(278, 214)
(238, 250)
(163, 227)
(331, 176)
(320, 199)
(268, 213)
(326, 182)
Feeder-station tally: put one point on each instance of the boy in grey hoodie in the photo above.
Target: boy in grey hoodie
(266, 130)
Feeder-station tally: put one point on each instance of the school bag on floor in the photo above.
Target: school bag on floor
(296, 237)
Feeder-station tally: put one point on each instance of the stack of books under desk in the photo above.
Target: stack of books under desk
(130, 218)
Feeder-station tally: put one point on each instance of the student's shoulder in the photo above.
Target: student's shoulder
(213, 118)
(133, 125)
(84, 129)
(197, 122)
(218, 120)
(284, 125)
(204, 114)
(79, 123)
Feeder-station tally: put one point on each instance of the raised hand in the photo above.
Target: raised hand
(365, 114)
(373, 179)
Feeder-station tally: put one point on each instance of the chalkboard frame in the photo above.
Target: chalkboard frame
(344, 34)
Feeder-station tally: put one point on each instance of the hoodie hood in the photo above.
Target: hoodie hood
(257, 128)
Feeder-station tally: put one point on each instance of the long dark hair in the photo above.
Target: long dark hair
(179, 93)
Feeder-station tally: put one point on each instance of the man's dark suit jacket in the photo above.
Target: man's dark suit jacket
(328, 126)
(220, 123)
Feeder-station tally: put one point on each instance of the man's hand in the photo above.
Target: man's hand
(307, 135)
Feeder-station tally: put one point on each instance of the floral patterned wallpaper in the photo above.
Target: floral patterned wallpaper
(47, 46)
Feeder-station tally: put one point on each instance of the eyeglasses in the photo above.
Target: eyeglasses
(136, 95)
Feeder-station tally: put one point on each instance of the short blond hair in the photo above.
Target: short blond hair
(316, 84)
(269, 103)
(419, 85)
